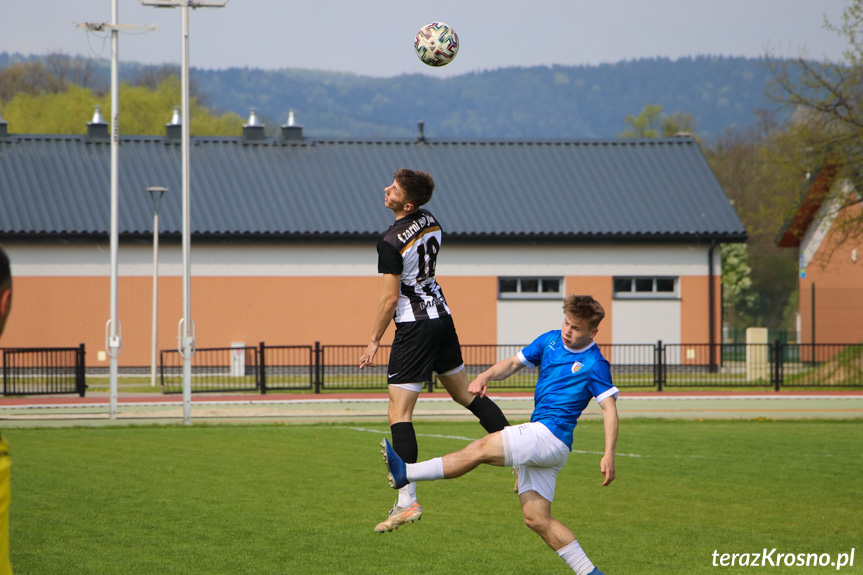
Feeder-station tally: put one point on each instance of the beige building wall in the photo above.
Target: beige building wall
(300, 294)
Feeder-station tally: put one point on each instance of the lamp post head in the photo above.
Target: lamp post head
(156, 193)
(185, 3)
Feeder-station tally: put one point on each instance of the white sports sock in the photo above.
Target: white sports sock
(574, 556)
(425, 470)
(407, 495)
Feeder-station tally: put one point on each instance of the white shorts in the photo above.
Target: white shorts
(537, 453)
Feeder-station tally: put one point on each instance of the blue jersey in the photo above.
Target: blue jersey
(568, 379)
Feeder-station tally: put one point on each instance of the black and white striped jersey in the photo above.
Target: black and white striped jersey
(409, 248)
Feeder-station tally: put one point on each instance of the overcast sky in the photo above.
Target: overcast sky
(375, 37)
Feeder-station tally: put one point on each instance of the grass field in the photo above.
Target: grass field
(303, 499)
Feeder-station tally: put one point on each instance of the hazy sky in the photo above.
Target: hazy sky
(375, 37)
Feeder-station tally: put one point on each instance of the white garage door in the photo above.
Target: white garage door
(645, 321)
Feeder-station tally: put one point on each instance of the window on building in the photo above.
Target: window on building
(529, 288)
(645, 286)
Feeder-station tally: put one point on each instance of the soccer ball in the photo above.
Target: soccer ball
(436, 44)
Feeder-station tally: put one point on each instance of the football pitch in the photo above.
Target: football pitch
(303, 499)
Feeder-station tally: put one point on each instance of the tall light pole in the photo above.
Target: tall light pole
(113, 328)
(186, 328)
(156, 194)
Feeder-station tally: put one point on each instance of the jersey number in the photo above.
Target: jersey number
(427, 254)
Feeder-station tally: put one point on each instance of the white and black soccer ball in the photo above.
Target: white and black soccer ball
(436, 44)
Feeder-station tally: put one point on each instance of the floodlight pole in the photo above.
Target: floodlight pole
(186, 328)
(113, 328)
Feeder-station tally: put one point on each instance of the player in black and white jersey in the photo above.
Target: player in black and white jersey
(425, 341)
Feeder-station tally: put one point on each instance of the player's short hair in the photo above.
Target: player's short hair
(417, 186)
(5, 271)
(585, 308)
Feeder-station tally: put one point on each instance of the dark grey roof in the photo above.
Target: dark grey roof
(571, 191)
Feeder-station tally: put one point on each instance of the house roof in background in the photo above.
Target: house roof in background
(572, 191)
(812, 197)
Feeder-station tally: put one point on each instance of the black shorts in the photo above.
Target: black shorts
(422, 347)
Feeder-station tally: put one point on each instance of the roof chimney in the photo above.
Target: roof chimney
(290, 132)
(4, 128)
(253, 131)
(174, 128)
(97, 128)
(421, 136)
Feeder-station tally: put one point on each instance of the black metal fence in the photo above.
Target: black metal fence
(777, 365)
(212, 370)
(658, 366)
(320, 368)
(44, 371)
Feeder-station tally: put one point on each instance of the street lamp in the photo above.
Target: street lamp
(113, 327)
(156, 194)
(186, 328)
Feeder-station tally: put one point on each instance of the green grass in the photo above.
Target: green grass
(285, 499)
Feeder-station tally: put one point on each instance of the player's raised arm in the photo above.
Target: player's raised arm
(498, 372)
(610, 422)
(386, 307)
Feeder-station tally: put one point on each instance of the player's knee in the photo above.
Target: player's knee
(483, 449)
(536, 523)
(537, 519)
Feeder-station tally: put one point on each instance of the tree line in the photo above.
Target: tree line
(58, 94)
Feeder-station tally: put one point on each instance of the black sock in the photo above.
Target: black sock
(490, 415)
(405, 441)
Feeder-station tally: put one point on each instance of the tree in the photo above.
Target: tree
(152, 76)
(826, 102)
(679, 124)
(144, 111)
(31, 77)
(646, 125)
(81, 71)
(752, 166)
(651, 123)
(739, 299)
(758, 278)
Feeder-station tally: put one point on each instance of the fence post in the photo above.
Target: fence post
(714, 365)
(318, 357)
(262, 367)
(162, 370)
(657, 365)
(813, 324)
(80, 371)
(778, 365)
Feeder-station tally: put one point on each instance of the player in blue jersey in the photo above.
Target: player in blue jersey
(572, 371)
(425, 341)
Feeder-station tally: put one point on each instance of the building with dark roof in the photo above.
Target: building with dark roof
(284, 229)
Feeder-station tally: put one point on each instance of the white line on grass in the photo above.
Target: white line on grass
(474, 439)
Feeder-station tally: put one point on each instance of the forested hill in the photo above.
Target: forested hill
(535, 102)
